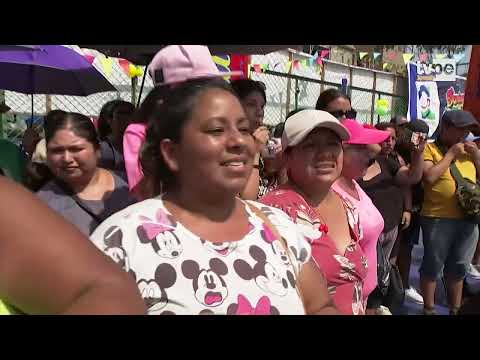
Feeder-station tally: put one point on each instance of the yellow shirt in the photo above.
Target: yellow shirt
(439, 199)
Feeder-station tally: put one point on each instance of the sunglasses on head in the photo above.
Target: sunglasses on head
(350, 114)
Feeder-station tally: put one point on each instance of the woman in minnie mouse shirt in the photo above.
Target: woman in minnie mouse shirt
(197, 248)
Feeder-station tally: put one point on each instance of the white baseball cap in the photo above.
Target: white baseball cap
(298, 126)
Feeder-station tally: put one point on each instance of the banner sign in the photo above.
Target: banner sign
(433, 89)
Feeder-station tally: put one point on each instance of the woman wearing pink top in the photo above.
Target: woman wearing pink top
(358, 156)
(312, 144)
(133, 140)
(171, 66)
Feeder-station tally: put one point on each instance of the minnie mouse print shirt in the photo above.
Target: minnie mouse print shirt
(177, 272)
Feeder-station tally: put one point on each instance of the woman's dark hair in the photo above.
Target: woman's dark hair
(150, 104)
(385, 126)
(168, 122)
(245, 87)
(81, 125)
(327, 96)
(396, 119)
(106, 115)
(52, 116)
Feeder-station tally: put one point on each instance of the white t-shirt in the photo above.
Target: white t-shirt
(177, 272)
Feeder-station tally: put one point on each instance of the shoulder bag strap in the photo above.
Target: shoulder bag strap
(274, 229)
(457, 176)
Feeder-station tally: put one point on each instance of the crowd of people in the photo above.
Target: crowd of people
(208, 211)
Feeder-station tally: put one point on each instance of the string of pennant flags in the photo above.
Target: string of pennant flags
(315, 62)
(106, 64)
(391, 56)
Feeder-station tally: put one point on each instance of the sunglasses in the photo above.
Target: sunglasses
(350, 114)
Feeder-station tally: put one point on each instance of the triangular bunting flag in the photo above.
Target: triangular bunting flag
(319, 61)
(107, 64)
(385, 66)
(362, 55)
(89, 58)
(264, 67)
(275, 66)
(124, 64)
(407, 58)
(296, 64)
(423, 57)
(324, 53)
(391, 55)
(257, 68)
(376, 55)
(440, 56)
(289, 65)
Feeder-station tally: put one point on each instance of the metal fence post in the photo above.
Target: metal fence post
(372, 110)
(289, 81)
(297, 91)
(134, 89)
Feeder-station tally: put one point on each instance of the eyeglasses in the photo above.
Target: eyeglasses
(350, 114)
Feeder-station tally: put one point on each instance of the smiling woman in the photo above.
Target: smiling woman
(312, 142)
(197, 248)
(81, 191)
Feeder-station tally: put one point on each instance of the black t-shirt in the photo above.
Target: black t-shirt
(385, 194)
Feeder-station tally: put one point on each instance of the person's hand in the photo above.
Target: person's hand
(261, 136)
(30, 140)
(421, 146)
(457, 150)
(406, 218)
(472, 149)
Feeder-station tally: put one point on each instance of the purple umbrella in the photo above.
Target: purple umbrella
(18, 47)
(50, 69)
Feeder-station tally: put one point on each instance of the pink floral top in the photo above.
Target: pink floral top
(345, 273)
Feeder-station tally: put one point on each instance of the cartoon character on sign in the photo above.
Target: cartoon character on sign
(454, 100)
(425, 103)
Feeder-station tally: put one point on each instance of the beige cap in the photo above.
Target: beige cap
(298, 126)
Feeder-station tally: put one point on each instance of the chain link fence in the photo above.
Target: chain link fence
(15, 121)
(301, 86)
(288, 88)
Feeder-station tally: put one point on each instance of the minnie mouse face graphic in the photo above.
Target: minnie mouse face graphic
(160, 234)
(270, 238)
(112, 239)
(208, 284)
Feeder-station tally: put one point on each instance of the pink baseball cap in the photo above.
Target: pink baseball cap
(178, 63)
(360, 135)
